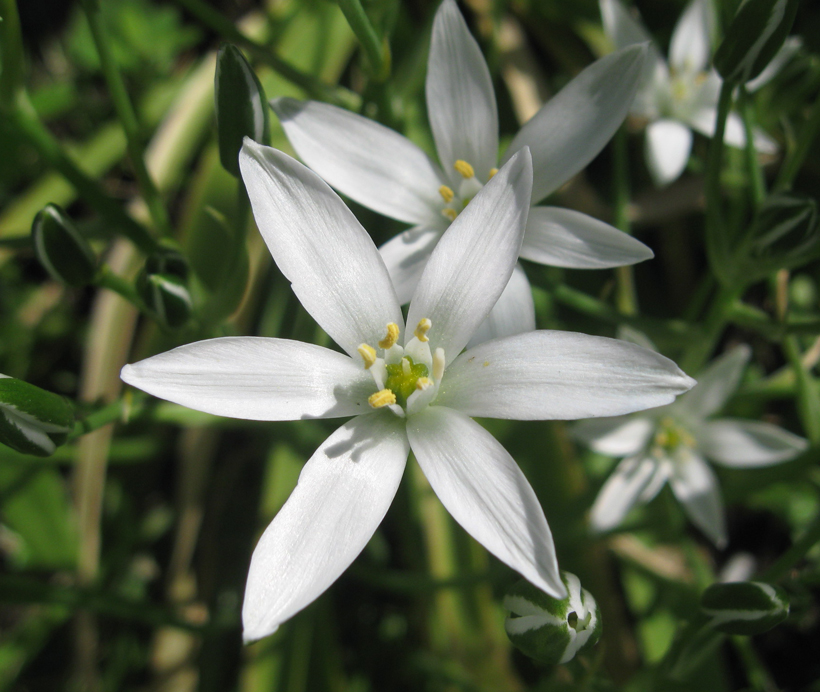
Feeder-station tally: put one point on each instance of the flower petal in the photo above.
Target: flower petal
(570, 130)
(624, 29)
(362, 159)
(482, 487)
(343, 494)
(667, 147)
(561, 376)
(746, 443)
(255, 378)
(788, 50)
(620, 436)
(704, 119)
(621, 492)
(406, 255)
(474, 259)
(716, 384)
(566, 238)
(514, 313)
(320, 247)
(690, 50)
(696, 488)
(460, 96)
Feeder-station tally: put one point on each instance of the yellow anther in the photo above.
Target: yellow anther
(405, 367)
(383, 398)
(493, 171)
(449, 213)
(464, 168)
(422, 329)
(392, 336)
(423, 383)
(368, 354)
(446, 193)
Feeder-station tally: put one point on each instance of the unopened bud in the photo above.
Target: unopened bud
(552, 630)
(166, 297)
(64, 253)
(32, 420)
(746, 607)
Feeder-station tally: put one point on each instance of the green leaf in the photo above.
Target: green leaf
(241, 107)
(745, 607)
(65, 254)
(32, 420)
(756, 33)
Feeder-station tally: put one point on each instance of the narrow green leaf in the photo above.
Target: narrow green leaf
(65, 254)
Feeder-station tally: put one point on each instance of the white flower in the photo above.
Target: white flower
(680, 96)
(386, 172)
(417, 396)
(670, 444)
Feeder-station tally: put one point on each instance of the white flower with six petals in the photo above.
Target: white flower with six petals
(386, 172)
(418, 396)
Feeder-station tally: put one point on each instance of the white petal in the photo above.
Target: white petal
(746, 443)
(704, 119)
(690, 49)
(482, 487)
(621, 436)
(560, 376)
(570, 130)
(343, 494)
(514, 313)
(624, 30)
(716, 384)
(474, 259)
(406, 255)
(667, 147)
(362, 159)
(320, 247)
(256, 379)
(696, 488)
(460, 96)
(787, 51)
(621, 492)
(566, 238)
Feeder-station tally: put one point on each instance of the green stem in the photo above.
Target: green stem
(11, 53)
(377, 51)
(626, 299)
(758, 183)
(701, 348)
(129, 405)
(24, 118)
(128, 117)
(808, 399)
(796, 157)
(107, 279)
(793, 555)
(312, 86)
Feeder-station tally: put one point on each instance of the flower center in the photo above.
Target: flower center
(579, 624)
(402, 375)
(456, 200)
(670, 437)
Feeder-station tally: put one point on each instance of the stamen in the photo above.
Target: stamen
(424, 383)
(446, 193)
(449, 213)
(464, 168)
(383, 398)
(368, 354)
(493, 171)
(392, 336)
(422, 329)
(405, 366)
(438, 364)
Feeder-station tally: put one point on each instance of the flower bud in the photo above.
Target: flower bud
(32, 420)
(754, 36)
(166, 297)
(65, 254)
(552, 630)
(745, 607)
(241, 108)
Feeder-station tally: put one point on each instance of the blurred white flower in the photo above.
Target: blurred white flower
(418, 396)
(680, 96)
(386, 172)
(670, 444)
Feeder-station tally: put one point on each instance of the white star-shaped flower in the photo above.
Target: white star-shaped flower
(670, 444)
(681, 95)
(406, 389)
(386, 172)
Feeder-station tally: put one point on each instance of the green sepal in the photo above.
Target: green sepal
(745, 607)
(32, 420)
(61, 249)
(552, 630)
(166, 297)
(241, 107)
(754, 36)
(784, 234)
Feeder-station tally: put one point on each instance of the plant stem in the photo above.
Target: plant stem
(127, 116)
(626, 300)
(377, 51)
(808, 399)
(713, 326)
(113, 282)
(758, 183)
(796, 157)
(129, 405)
(794, 554)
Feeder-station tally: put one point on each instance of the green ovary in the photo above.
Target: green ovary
(402, 380)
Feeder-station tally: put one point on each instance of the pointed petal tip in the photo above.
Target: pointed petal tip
(251, 635)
